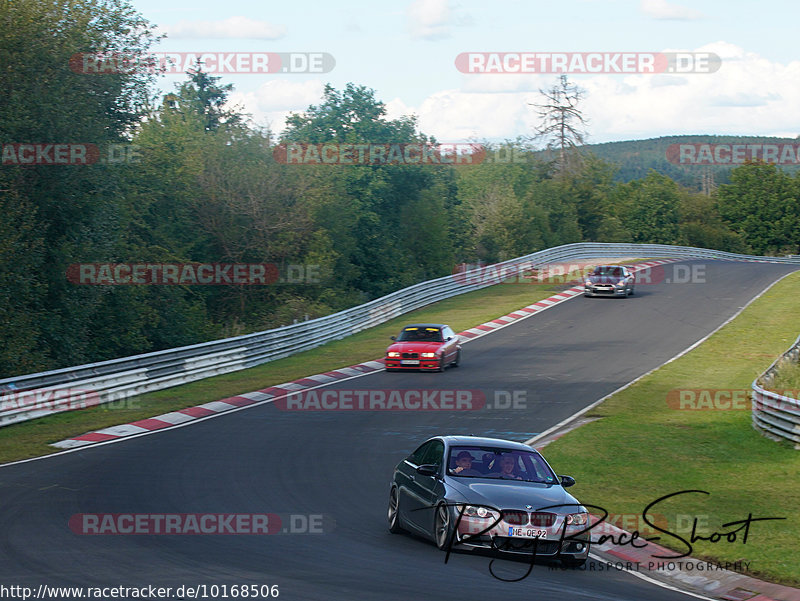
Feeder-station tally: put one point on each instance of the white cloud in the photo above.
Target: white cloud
(458, 116)
(276, 99)
(747, 95)
(232, 27)
(663, 10)
(432, 19)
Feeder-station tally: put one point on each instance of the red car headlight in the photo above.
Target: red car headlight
(427, 355)
(392, 354)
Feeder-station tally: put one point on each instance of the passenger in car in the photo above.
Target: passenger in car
(508, 467)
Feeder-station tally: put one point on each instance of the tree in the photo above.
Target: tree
(204, 95)
(350, 116)
(62, 214)
(762, 204)
(562, 123)
(375, 198)
(649, 209)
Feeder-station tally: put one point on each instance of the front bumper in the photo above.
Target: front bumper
(573, 545)
(604, 291)
(424, 364)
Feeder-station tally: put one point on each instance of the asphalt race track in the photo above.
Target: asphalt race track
(338, 465)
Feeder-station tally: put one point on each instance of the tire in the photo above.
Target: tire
(442, 365)
(441, 526)
(458, 359)
(393, 513)
(631, 290)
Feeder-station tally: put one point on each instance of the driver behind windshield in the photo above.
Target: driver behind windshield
(464, 465)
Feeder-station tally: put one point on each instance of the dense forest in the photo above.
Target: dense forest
(182, 179)
(635, 158)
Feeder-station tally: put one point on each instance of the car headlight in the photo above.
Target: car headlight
(577, 519)
(427, 355)
(392, 354)
(478, 512)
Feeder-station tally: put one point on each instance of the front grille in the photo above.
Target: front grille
(516, 518)
(543, 518)
(410, 355)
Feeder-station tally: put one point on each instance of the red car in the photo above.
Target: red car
(424, 346)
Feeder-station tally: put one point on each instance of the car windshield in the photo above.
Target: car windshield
(421, 334)
(500, 463)
(608, 271)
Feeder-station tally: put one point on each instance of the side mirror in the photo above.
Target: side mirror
(428, 469)
(566, 481)
(392, 337)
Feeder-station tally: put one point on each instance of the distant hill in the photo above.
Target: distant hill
(636, 157)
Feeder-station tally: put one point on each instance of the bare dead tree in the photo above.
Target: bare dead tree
(562, 124)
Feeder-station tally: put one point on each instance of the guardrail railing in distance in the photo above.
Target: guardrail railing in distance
(108, 381)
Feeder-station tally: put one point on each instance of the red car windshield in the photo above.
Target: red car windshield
(420, 335)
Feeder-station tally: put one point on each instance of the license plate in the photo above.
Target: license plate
(409, 362)
(521, 532)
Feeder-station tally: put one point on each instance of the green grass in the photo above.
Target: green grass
(787, 379)
(643, 449)
(31, 439)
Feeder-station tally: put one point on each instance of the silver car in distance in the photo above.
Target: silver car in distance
(609, 280)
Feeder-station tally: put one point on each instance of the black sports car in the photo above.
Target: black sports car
(466, 492)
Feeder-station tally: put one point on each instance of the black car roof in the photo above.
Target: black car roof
(485, 441)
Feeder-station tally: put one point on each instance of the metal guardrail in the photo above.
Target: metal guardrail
(774, 415)
(30, 396)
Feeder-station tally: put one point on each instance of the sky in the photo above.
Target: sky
(406, 51)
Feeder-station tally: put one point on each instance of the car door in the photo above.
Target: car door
(424, 491)
(405, 477)
(450, 346)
